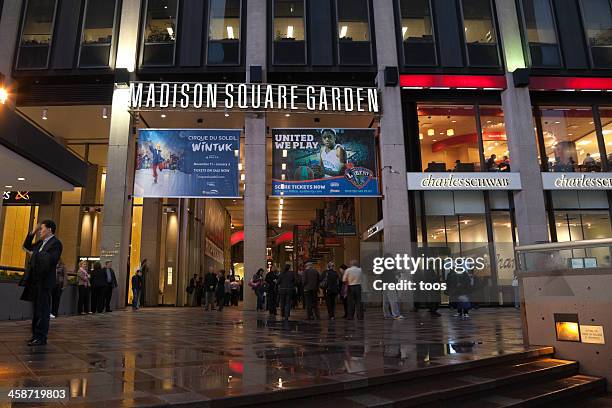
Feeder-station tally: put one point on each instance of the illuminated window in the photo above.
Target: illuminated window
(417, 33)
(480, 34)
(353, 32)
(597, 17)
(224, 32)
(36, 34)
(606, 128)
(570, 139)
(449, 138)
(160, 32)
(494, 140)
(541, 33)
(289, 35)
(97, 37)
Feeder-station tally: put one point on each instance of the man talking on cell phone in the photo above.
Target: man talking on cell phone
(40, 277)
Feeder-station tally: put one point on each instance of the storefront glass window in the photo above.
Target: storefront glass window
(570, 139)
(97, 33)
(449, 138)
(224, 32)
(480, 34)
(160, 32)
(606, 127)
(417, 33)
(584, 225)
(36, 34)
(504, 247)
(597, 16)
(541, 33)
(495, 143)
(353, 32)
(289, 32)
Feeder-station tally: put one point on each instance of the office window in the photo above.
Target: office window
(449, 138)
(417, 33)
(160, 32)
(36, 34)
(224, 32)
(480, 34)
(289, 32)
(97, 37)
(541, 34)
(570, 139)
(597, 16)
(354, 46)
(494, 140)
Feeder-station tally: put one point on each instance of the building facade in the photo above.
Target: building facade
(494, 122)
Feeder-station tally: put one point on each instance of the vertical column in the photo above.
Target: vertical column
(115, 242)
(530, 210)
(150, 246)
(395, 190)
(255, 223)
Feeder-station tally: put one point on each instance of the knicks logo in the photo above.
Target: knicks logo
(358, 176)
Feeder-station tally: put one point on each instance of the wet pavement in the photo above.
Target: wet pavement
(161, 356)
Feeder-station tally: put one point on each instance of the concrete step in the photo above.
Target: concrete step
(420, 385)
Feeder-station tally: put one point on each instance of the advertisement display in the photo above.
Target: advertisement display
(187, 163)
(324, 163)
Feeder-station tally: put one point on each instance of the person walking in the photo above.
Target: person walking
(136, 289)
(199, 291)
(98, 288)
(61, 282)
(353, 277)
(111, 283)
(391, 309)
(144, 273)
(41, 276)
(84, 288)
(235, 287)
(286, 288)
(256, 284)
(331, 285)
(210, 284)
(343, 290)
(311, 288)
(191, 288)
(270, 285)
(220, 291)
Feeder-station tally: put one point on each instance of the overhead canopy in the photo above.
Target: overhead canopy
(28, 153)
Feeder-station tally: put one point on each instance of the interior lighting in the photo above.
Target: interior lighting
(290, 31)
(3, 95)
(44, 114)
(450, 132)
(344, 31)
(431, 132)
(104, 113)
(230, 33)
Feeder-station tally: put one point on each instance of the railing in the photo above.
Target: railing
(588, 254)
(11, 273)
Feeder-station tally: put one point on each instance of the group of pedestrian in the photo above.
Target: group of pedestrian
(95, 287)
(287, 288)
(214, 291)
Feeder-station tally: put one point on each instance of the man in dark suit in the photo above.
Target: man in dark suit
(311, 289)
(40, 276)
(111, 283)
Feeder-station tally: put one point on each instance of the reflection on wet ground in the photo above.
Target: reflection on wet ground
(173, 355)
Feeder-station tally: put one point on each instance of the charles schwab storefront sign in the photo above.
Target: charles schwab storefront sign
(147, 96)
(464, 181)
(577, 181)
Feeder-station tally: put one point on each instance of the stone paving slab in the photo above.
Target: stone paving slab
(166, 356)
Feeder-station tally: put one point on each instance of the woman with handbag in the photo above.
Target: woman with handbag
(84, 288)
(256, 284)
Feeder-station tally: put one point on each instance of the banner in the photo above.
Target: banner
(340, 217)
(187, 163)
(324, 162)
